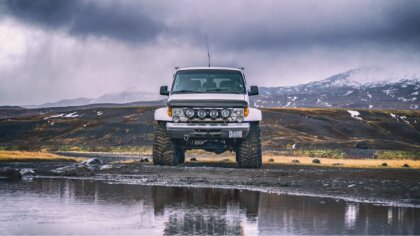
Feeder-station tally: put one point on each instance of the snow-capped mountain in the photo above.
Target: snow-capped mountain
(371, 88)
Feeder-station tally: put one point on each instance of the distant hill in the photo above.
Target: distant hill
(63, 103)
(127, 97)
(369, 88)
(108, 98)
(103, 128)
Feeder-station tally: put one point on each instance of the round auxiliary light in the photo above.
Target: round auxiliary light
(214, 114)
(201, 113)
(176, 119)
(190, 113)
(225, 113)
(239, 118)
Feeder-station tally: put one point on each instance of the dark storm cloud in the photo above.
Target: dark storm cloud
(234, 25)
(82, 18)
(305, 24)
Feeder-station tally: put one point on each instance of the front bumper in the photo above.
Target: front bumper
(207, 130)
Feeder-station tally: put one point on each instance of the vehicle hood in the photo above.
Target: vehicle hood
(208, 100)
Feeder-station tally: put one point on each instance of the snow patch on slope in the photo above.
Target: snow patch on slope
(355, 114)
(62, 115)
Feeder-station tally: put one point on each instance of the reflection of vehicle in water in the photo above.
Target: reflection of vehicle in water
(205, 211)
(208, 108)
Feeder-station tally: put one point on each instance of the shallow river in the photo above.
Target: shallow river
(64, 206)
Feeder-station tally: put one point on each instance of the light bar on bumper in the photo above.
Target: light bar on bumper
(181, 115)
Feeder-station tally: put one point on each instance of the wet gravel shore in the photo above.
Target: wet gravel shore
(389, 186)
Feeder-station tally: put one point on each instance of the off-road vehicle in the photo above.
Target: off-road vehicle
(208, 108)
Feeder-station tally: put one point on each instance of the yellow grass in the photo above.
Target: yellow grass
(354, 163)
(33, 156)
(351, 163)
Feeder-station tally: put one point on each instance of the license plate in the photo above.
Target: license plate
(235, 134)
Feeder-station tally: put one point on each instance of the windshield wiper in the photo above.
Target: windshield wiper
(221, 90)
(187, 91)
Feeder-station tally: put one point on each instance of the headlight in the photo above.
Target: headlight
(190, 113)
(225, 113)
(177, 112)
(201, 113)
(238, 114)
(214, 114)
(237, 111)
(176, 119)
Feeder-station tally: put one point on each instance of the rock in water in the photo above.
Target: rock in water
(91, 164)
(92, 161)
(84, 168)
(73, 170)
(193, 159)
(10, 173)
(144, 159)
(406, 165)
(27, 171)
(316, 161)
(384, 164)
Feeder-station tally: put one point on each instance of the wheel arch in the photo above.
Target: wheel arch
(161, 114)
(254, 115)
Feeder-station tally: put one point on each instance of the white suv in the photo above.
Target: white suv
(208, 108)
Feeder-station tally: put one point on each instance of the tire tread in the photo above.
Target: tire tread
(164, 149)
(249, 151)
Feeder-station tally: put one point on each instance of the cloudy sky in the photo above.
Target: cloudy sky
(52, 50)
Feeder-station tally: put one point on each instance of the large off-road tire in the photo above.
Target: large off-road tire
(164, 148)
(248, 153)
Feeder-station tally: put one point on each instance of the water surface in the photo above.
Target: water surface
(65, 206)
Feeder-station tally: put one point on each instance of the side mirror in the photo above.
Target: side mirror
(164, 90)
(254, 91)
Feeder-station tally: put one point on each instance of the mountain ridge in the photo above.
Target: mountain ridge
(348, 90)
(363, 88)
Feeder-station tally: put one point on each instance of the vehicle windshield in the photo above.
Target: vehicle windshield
(208, 81)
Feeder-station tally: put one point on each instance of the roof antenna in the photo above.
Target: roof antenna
(208, 49)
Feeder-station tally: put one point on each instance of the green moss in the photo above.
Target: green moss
(398, 155)
(9, 148)
(327, 153)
